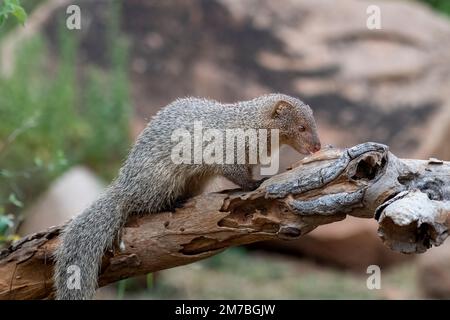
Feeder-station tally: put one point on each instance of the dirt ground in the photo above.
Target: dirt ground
(239, 274)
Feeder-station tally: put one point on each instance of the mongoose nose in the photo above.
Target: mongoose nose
(317, 147)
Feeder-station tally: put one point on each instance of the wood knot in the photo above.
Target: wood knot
(289, 232)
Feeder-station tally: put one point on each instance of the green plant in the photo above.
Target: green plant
(31, 150)
(12, 7)
(440, 5)
(58, 115)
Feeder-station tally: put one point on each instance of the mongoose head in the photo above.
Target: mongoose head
(296, 123)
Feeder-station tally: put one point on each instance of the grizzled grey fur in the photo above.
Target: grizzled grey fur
(149, 181)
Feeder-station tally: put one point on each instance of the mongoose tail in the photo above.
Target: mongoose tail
(85, 239)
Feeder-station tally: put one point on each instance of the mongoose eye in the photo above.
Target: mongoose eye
(302, 129)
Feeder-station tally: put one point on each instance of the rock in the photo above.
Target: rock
(433, 272)
(351, 244)
(68, 196)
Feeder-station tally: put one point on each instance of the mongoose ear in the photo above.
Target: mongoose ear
(280, 108)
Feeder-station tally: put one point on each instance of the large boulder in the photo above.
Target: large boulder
(434, 272)
(67, 196)
(350, 244)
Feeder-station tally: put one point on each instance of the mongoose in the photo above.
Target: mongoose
(149, 181)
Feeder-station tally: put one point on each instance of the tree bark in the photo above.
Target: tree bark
(409, 198)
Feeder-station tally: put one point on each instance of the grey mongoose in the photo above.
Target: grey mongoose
(150, 181)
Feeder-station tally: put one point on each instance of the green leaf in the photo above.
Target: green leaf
(51, 167)
(38, 162)
(6, 173)
(150, 280)
(5, 223)
(20, 14)
(12, 7)
(13, 199)
(61, 159)
(2, 18)
(121, 288)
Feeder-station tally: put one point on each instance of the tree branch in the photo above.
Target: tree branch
(410, 199)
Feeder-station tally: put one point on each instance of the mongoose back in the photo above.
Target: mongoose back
(150, 181)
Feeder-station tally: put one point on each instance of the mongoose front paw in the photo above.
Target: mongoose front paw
(254, 184)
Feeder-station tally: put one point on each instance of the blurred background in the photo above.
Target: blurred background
(72, 102)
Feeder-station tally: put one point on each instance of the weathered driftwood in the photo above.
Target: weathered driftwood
(410, 198)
